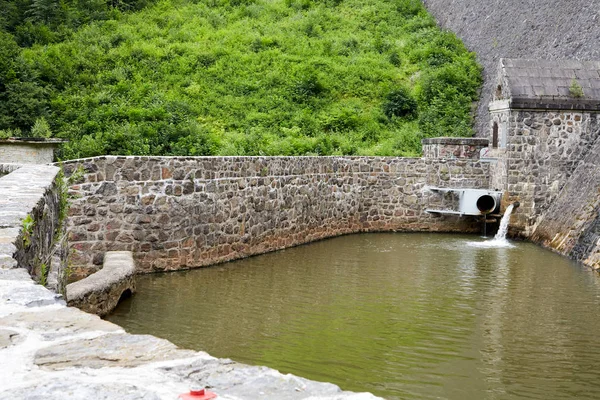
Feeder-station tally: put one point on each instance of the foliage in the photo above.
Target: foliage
(44, 270)
(41, 128)
(575, 90)
(27, 225)
(400, 103)
(237, 77)
(22, 97)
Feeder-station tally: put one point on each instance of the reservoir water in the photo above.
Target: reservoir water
(404, 316)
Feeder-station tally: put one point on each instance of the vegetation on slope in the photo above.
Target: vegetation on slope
(244, 77)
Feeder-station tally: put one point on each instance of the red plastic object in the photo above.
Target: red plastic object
(198, 394)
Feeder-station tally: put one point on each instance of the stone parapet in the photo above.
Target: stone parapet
(29, 218)
(453, 147)
(184, 212)
(100, 292)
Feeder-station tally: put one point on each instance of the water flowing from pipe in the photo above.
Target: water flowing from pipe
(500, 239)
(503, 229)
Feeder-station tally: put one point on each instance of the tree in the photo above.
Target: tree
(22, 100)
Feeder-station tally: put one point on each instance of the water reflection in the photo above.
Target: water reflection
(405, 316)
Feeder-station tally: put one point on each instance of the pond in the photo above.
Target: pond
(404, 316)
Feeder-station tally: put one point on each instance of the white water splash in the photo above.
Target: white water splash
(500, 239)
(501, 235)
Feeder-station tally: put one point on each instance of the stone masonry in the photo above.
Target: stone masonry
(30, 192)
(453, 147)
(101, 292)
(177, 213)
(541, 132)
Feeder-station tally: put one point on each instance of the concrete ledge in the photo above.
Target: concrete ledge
(100, 292)
(28, 150)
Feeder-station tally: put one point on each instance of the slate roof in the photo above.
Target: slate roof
(546, 83)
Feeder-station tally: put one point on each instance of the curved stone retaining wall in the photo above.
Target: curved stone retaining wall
(176, 213)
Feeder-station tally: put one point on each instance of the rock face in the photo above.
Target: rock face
(100, 292)
(176, 213)
(533, 29)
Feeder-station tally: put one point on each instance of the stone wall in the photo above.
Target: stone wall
(101, 292)
(543, 150)
(176, 213)
(453, 147)
(30, 191)
(77, 355)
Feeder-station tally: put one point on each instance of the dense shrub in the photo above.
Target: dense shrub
(224, 77)
(400, 103)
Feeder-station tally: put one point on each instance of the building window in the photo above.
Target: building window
(495, 136)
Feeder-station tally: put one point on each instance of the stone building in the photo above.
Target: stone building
(544, 119)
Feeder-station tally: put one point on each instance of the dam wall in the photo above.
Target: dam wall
(184, 212)
(571, 226)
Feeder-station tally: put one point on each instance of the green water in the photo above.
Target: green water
(404, 316)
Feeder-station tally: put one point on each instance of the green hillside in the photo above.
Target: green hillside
(243, 77)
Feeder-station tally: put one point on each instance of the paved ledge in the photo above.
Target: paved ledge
(100, 292)
(25, 191)
(7, 168)
(53, 352)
